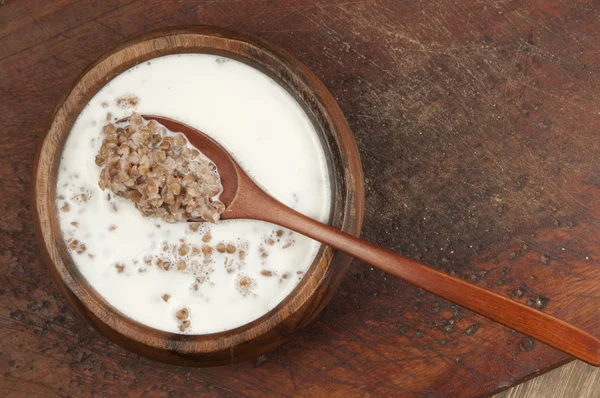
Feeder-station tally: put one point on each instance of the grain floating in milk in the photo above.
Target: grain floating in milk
(224, 275)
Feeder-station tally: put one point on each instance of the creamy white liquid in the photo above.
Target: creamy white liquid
(269, 134)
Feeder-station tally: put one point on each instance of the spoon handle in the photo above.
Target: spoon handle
(539, 325)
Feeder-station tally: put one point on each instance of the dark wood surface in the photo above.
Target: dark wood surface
(477, 125)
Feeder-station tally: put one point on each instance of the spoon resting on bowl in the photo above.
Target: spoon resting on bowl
(243, 199)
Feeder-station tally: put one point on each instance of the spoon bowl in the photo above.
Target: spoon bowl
(229, 170)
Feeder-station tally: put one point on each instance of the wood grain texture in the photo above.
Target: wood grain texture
(575, 379)
(477, 125)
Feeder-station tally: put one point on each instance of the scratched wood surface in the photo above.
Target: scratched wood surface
(478, 125)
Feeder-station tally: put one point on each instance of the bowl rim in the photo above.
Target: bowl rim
(325, 114)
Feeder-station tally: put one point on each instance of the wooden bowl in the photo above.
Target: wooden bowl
(312, 293)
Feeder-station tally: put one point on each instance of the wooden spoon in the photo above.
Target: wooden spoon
(244, 199)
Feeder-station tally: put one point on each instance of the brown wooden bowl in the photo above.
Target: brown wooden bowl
(312, 293)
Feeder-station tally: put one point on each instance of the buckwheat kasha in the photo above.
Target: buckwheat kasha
(159, 171)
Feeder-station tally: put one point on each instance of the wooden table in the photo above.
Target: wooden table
(576, 379)
(478, 124)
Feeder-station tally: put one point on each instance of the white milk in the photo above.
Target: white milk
(269, 134)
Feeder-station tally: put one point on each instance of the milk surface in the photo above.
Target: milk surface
(271, 137)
